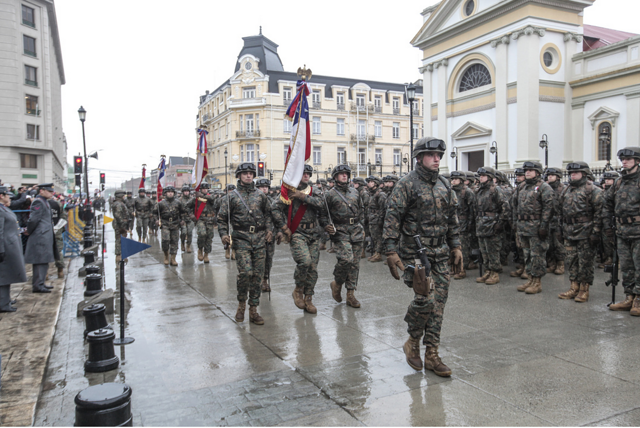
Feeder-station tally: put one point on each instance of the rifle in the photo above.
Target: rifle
(613, 267)
(327, 206)
(422, 281)
(476, 257)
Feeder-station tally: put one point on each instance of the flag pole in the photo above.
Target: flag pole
(122, 340)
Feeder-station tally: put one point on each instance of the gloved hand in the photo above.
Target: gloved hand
(226, 240)
(394, 262)
(279, 237)
(269, 236)
(2, 257)
(287, 232)
(331, 230)
(594, 239)
(609, 232)
(499, 227)
(543, 233)
(294, 194)
(455, 260)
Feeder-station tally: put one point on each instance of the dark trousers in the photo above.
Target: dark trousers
(39, 274)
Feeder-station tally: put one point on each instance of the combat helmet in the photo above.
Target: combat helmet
(308, 169)
(360, 181)
(429, 144)
(631, 151)
(322, 181)
(187, 188)
(263, 182)
(129, 193)
(245, 167)
(459, 175)
(532, 165)
(375, 179)
(141, 190)
(168, 189)
(231, 187)
(119, 193)
(470, 176)
(554, 171)
(612, 175)
(578, 167)
(390, 177)
(519, 171)
(339, 169)
(487, 170)
(202, 186)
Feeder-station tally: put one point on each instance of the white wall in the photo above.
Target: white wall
(552, 123)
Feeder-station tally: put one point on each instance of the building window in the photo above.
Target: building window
(361, 157)
(249, 92)
(29, 44)
(396, 157)
(227, 129)
(340, 127)
(28, 161)
(33, 132)
(415, 131)
(250, 153)
(474, 77)
(241, 153)
(362, 128)
(377, 103)
(342, 155)
(249, 124)
(378, 128)
(317, 155)
(340, 100)
(396, 105)
(469, 7)
(379, 156)
(286, 126)
(30, 75)
(360, 100)
(603, 147)
(316, 125)
(32, 105)
(286, 96)
(315, 98)
(396, 129)
(28, 16)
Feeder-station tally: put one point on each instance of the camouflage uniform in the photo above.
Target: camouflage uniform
(466, 216)
(143, 207)
(186, 230)
(120, 219)
(608, 244)
(365, 197)
(507, 192)
(153, 227)
(556, 254)
(490, 215)
(171, 212)
(205, 223)
(270, 246)
(130, 203)
(377, 211)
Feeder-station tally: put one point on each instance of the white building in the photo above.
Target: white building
(510, 71)
(32, 145)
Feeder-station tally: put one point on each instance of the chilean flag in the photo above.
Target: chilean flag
(300, 143)
(161, 178)
(200, 169)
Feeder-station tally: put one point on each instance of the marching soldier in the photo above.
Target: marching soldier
(153, 226)
(377, 210)
(360, 185)
(263, 185)
(120, 221)
(229, 253)
(142, 207)
(186, 231)
(608, 244)
(623, 202)
(557, 253)
(130, 203)
(249, 212)
(503, 182)
(532, 213)
(304, 237)
(491, 215)
(324, 236)
(171, 213)
(204, 225)
(519, 272)
(424, 204)
(466, 215)
(580, 210)
(344, 223)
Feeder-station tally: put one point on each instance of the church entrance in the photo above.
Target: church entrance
(471, 161)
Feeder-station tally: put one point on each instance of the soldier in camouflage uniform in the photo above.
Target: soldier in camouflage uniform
(153, 227)
(579, 210)
(130, 203)
(360, 185)
(171, 213)
(324, 236)
(472, 183)
(623, 202)
(229, 253)
(204, 224)
(424, 204)
(347, 233)
(143, 207)
(532, 212)
(263, 185)
(330, 185)
(608, 244)
(466, 217)
(519, 272)
(304, 237)
(250, 218)
(189, 204)
(557, 252)
(491, 216)
(120, 221)
(376, 212)
(503, 182)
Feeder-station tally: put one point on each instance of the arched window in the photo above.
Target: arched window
(604, 140)
(476, 76)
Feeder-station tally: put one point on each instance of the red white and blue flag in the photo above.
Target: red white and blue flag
(161, 178)
(200, 169)
(144, 177)
(300, 143)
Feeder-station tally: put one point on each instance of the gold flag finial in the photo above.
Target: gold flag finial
(304, 73)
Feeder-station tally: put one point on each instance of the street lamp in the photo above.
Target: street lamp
(411, 96)
(544, 144)
(605, 138)
(494, 151)
(454, 155)
(379, 163)
(82, 113)
(225, 169)
(405, 160)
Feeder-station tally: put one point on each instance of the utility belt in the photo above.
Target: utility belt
(529, 217)
(576, 220)
(431, 241)
(628, 220)
(486, 214)
(347, 220)
(250, 229)
(307, 226)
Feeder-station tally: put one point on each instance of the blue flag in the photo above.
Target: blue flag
(130, 247)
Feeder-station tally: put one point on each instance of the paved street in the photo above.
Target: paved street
(516, 359)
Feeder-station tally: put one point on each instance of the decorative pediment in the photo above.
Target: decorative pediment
(436, 20)
(603, 113)
(471, 130)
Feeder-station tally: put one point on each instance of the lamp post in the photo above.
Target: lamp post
(225, 169)
(544, 144)
(605, 138)
(82, 113)
(454, 155)
(379, 163)
(368, 168)
(494, 151)
(411, 96)
(405, 160)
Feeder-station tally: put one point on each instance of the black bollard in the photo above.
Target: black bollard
(89, 257)
(94, 318)
(106, 405)
(102, 356)
(93, 282)
(88, 242)
(92, 269)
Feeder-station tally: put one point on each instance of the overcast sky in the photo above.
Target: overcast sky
(138, 67)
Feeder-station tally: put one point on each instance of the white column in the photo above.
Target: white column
(570, 47)
(441, 66)
(577, 131)
(633, 120)
(502, 115)
(426, 97)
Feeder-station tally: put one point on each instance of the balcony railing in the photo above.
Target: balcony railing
(361, 108)
(377, 109)
(30, 53)
(30, 82)
(416, 112)
(205, 117)
(340, 106)
(363, 138)
(396, 111)
(316, 104)
(286, 102)
(248, 134)
(33, 112)
(29, 23)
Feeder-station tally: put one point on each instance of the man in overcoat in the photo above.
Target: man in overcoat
(41, 243)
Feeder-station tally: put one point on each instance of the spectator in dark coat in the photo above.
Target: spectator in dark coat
(41, 244)
(11, 261)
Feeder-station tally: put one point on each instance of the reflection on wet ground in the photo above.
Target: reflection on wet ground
(516, 359)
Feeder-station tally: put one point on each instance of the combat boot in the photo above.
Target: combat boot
(461, 275)
(182, 246)
(375, 258)
(200, 255)
(535, 287)
(525, 275)
(526, 285)
(322, 247)
(583, 295)
(484, 277)
(60, 272)
(332, 249)
(494, 278)
(433, 362)
(572, 293)
(559, 268)
(173, 260)
(551, 266)
(166, 257)
(227, 254)
(189, 248)
(265, 286)
(298, 297)
(205, 257)
(635, 308)
(518, 272)
(625, 305)
(351, 299)
(472, 266)
(240, 312)
(309, 307)
(411, 350)
(336, 291)
(233, 254)
(254, 316)
(364, 253)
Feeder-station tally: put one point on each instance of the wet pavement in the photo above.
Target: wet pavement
(517, 359)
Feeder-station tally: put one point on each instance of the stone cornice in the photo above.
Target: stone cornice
(605, 49)
(528, 31)
(444, 63)
(428, 67)
(505, 40)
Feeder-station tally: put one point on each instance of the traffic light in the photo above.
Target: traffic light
(78, 180)
(77, 164)
(271, 176)
(102, 185)
(102, 181)
(261, 167)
